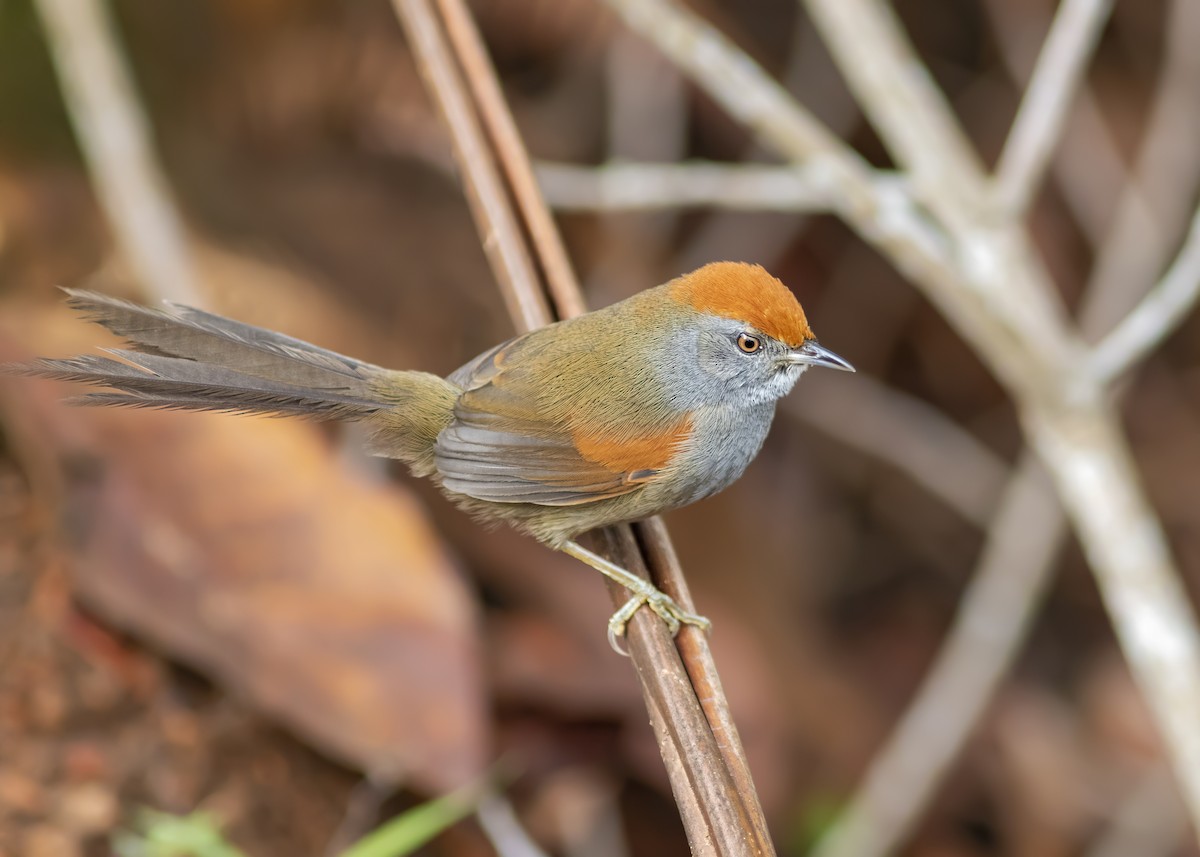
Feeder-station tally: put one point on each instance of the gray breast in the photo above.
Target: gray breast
(724, 442)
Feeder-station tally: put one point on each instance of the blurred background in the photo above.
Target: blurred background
(249, 618)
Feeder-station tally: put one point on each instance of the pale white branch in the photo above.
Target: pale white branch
(902, 101)
(1090, 166)
(116, 141)
(1125, 545)
(503, 829)
(1022, 543)
(1043, 112)
(638, 186)
(984, 276)
(1159, 313)
(915, 438)
(765, 236)
(1150, 215)
(1026, 535)
(967, 283)
(907, 772)
(998, 274)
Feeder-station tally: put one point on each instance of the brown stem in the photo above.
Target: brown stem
(499, 228)
(510, 151)
(707, 767)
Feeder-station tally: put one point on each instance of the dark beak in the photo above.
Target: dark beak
(812, 354)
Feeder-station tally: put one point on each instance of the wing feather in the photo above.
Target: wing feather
(507, 444)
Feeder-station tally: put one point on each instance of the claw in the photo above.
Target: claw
(674, 616)
(614, 640)
(620, 620)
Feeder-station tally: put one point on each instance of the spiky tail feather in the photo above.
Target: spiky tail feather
(187, 358)
(153, 381)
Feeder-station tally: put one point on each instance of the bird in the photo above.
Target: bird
(644, 406)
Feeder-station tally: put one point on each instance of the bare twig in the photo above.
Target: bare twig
(910, 435)
(901, 798)
(116, 141)
(503, 829)
(1127, 550)
(634, 186)
(706, 682)
(937, 725)
(1023, 541)
(646, 109)
(894, 88)
(503, 241)
(704, 759)
(547, 248)
(1044, 109)
(1090, 166)
(905, 775)
(765, 237)
(996, 611)
(686, 712)
(1159, 313)
(1154, 207)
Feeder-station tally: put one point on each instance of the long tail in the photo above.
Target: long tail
(190, 359)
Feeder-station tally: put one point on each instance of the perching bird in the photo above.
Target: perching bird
(644, 406)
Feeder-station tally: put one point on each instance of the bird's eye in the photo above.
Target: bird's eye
(749, 344)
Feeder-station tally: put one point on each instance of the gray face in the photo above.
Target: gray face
(743, 364)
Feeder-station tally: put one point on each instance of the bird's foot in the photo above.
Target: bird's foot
(644, 592)
(662, 604)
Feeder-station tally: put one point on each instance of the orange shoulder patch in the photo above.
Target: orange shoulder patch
(633, 454)
(747, 293)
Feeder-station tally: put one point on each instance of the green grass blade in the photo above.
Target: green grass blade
(407, 832)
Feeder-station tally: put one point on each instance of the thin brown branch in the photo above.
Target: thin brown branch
(707, 769)
(706, 682)
(499, 228)
(714, 812)
(548, 247)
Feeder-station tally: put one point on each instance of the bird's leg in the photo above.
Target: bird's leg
(643, 591)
